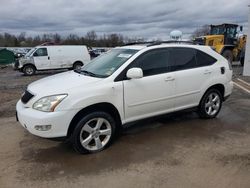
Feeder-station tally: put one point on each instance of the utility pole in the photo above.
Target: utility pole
(246, 69)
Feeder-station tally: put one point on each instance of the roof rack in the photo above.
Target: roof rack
(137, 43)
(154, 43)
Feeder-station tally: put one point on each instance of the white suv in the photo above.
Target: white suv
(126, 84)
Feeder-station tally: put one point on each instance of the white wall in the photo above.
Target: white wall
(246, 70)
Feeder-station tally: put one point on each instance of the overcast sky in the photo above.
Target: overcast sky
(135, 18)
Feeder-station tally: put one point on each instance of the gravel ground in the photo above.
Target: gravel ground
(177, 150)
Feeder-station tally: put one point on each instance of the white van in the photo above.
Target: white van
(53, 57)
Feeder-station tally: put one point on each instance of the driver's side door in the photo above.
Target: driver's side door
(153, 94)
(41, 59)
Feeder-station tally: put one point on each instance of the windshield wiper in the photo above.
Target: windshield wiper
(89, 73)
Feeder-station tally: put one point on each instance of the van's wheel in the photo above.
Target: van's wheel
(77, 65)
(29, 70)
(210, 104)
(228, 54)
(94, 132)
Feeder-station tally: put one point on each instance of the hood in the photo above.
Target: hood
(61, 83)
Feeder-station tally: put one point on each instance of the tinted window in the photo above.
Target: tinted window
(41, 52)
(204, 59)
(182, 58)
(153, 62)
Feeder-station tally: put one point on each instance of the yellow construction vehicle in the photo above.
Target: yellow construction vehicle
(226, 40)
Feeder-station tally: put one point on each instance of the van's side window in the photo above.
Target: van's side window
(41, 52)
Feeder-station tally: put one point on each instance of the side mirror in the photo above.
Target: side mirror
(134, 73)
(35, 54)
(241, 28)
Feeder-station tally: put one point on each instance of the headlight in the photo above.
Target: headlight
(49, 103)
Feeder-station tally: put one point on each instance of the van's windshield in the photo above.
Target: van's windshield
(106, 64)
(30, 52)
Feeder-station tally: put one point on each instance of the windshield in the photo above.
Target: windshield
(217, 30)
(230, 31)
(30, 52)
(106, 64)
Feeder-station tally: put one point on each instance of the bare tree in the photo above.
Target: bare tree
(91, 39)
(204, 30)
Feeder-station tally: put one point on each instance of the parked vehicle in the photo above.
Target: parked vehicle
(99, 51)
(226, 41)
(6, 57)
(130, 83)
(53, 57)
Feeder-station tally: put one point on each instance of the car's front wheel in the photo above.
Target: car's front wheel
(94, 132)
(210, 104)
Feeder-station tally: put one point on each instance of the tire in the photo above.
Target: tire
(210, 104)
(94, 132)
(29, 70)
(77, 65)
(228, 54)
(242, 61)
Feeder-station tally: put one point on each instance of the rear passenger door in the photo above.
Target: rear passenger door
(192, 70)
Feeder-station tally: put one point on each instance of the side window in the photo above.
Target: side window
(204, 59)
(41, 52)
(153, 62)
(182, 58)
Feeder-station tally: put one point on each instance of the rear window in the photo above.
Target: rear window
(187, 58)
(204, 59)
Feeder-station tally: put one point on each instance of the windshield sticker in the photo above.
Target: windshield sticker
(124, 55)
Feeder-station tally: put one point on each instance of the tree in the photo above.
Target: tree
(204, 30)
(57, 38)
(91, 38)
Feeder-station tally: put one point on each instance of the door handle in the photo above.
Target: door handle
(48, 58)
(169, 79)
(207, 72)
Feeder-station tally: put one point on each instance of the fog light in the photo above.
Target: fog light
(43, 127)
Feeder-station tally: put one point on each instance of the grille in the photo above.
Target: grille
(26, 97)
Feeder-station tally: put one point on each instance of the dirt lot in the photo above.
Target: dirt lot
(178, 150)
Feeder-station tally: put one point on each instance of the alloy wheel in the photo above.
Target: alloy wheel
(95, 134)
(212, 105)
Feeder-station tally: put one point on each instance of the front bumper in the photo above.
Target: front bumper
(59, 121)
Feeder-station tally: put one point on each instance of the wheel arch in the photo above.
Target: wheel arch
(28, 64)
(78, 61)
(105, 107)
(219, 87)
(227, 47)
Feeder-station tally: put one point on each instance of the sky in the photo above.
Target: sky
(149, 19)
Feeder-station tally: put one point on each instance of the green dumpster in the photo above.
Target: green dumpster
(6, 57)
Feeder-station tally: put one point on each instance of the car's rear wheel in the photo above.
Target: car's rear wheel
(29, 70)
(210, 104)
(94, 132)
